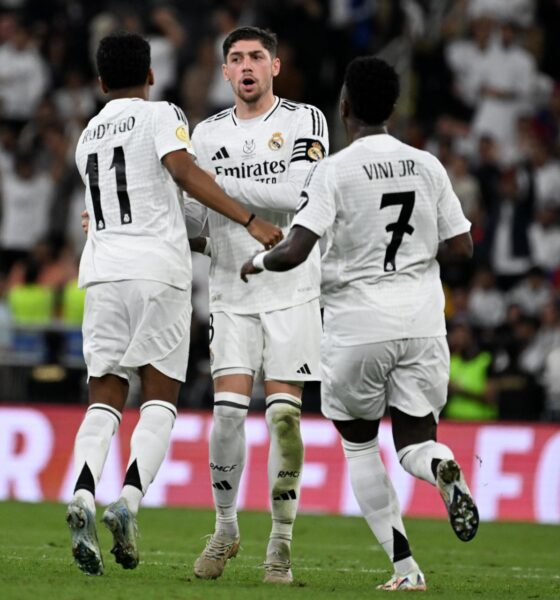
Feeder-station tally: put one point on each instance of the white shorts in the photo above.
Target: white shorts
(128, 324)
(359, 382)
(283, 344)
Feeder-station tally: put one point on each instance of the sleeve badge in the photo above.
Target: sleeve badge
(182, 134)
(315, 152)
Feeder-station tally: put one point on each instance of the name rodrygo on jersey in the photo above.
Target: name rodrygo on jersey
(137, 229)
(272, 149)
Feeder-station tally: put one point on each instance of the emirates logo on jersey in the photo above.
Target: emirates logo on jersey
(276, 141)
(249, 147)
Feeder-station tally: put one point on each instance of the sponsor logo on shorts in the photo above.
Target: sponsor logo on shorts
(304, 370)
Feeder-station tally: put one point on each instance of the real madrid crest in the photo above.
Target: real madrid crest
(276, 141)
(315, 152)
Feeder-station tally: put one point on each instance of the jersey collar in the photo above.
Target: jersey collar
(260, 118)
(380, 141)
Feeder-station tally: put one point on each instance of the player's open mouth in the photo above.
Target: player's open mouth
(248, 83)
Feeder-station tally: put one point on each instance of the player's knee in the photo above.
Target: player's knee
(228, 420)
(283, 420)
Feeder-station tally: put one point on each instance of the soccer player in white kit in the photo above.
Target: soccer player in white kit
(137, 272)
(261, 151)
(387, 206)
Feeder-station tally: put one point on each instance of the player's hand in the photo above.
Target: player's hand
(249, 269)
(85, 221)
(266, 233)
(212, 174)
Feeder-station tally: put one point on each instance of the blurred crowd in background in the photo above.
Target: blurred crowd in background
(480, 90)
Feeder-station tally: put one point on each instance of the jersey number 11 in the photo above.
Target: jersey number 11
(92, 171)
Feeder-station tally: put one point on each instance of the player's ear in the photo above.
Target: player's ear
(150, 79)
(102, 85)
(225, 72)
(275, 66)
(344, 109)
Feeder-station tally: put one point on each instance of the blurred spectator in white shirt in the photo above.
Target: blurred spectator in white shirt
(76, 100)
(546, 175)
(506, 82)
(547, 339)
(532, 293)
(26, 196)
(487, 306)
(544, 237)
(23, 76)
(464, 58)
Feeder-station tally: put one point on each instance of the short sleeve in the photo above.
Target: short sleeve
(316, 210)
(312, 139)
(450, 218)
(171, 129)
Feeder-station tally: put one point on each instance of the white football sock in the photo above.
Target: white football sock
(227, 458)
(378, 502)
(417, 459)
(91, 447)
(148, 445)
(285, 462)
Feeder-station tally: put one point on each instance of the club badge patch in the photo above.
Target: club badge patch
(315, 152)
(182, 134)
(276, 141)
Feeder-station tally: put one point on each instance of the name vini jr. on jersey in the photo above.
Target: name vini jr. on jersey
(388, 169)
(264, 171)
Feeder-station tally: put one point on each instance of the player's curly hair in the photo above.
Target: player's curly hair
(372, 88)
(267, 38)
(123, 60)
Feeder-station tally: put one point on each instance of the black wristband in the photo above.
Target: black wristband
(250, 220)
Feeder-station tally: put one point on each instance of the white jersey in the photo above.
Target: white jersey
(137, 228)
(387, 206)
(262, 163)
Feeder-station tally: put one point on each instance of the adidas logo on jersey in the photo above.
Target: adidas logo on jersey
(222, 153)
(304, 370)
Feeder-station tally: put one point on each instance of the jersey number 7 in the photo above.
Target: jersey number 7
(400, 226)
(92, 171)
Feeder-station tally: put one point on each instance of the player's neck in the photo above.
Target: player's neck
(138, 91)
(355, 131)
(252, 110)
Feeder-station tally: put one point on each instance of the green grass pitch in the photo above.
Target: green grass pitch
(333, 557)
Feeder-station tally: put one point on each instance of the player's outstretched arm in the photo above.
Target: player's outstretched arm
(201, 186)
(289, 254)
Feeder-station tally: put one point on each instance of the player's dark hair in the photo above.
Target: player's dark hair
(372, 88)
(267, 38)
(123, 60)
